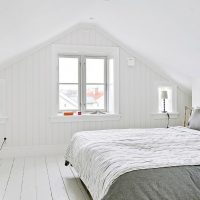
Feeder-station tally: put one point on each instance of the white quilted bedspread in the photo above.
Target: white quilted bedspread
(100, 157)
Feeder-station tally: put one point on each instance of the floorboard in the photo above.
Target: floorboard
(39, 178)
(29, 180)
(5, 171)
(56, 182)
(82, 188)
(14, 187)
(70, 182)
(42, 180)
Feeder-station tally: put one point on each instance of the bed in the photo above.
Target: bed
(138, 164)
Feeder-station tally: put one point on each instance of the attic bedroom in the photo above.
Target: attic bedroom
(99, 100)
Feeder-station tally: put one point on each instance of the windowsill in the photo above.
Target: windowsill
(85, 117)
(3, 119)
(157, 116)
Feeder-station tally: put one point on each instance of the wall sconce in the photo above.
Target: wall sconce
(164, 96)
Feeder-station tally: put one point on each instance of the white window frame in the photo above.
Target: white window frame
(112, 53)
(82, 83)
(160, 101)
(3, 117)
(155, 100)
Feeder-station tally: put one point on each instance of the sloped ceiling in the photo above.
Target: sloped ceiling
(164, 32)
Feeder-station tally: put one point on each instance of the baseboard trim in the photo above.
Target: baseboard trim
(25, 151)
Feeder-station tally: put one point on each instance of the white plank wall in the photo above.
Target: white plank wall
(28, 96)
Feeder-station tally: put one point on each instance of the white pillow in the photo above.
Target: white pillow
(194, 121)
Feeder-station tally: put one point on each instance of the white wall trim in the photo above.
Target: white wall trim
(21, 151)
(158, 116)
(3, 119)
(86, 117)
(2, 99)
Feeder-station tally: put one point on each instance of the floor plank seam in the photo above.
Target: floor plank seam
(78, 181)
(35, 173)
(22, 180)
(8, 178)
(48, 178)
(62, 179)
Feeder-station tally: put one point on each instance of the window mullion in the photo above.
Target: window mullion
(79, 84)
(106, 85)
(83, 84)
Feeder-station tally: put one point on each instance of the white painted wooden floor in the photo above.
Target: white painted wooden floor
(39, 178)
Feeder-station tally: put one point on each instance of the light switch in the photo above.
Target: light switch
(131, 62)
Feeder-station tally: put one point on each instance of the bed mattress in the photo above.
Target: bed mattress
(138, 163)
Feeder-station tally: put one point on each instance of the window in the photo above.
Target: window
(168, 91)
(83, 83)
(86, 79)
(168, 100)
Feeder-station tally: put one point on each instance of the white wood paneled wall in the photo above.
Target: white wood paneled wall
(28, 92)
(196, 93)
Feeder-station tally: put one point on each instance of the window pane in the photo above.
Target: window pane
(68, 70)
(168, 101)
(68, 97)
(95, 97)
(95, 70)
(111, 105)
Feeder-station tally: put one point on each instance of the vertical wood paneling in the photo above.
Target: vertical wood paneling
(28, 92)
(29, 108)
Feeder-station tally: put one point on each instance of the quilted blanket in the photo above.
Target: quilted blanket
(100, 157)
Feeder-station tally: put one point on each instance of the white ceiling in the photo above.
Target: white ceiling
(164, 32)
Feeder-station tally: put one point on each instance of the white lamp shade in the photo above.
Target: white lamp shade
(164, 95)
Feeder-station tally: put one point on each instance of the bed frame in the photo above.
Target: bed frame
(188, 112)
